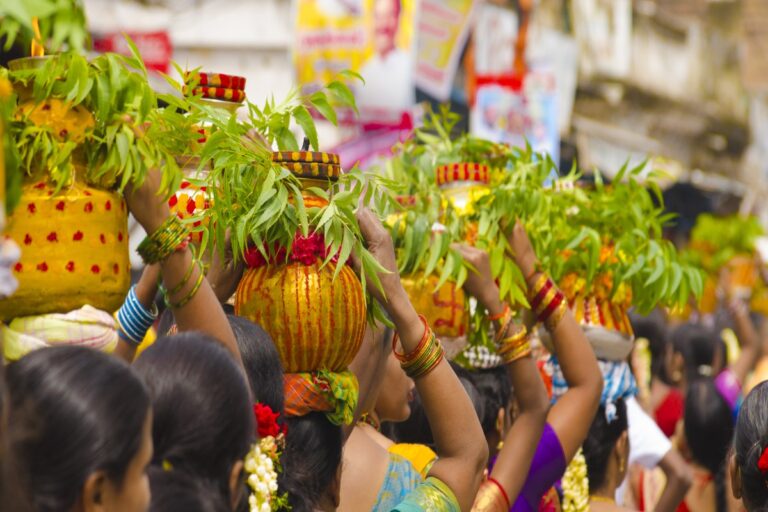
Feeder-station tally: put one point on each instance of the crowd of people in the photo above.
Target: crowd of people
(174, 427)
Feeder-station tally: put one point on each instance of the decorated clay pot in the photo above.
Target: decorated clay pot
(444, 309)
(74, 250)
(74, 243)
(462, 184)
(605, 324)
(316, 321)
(191, 201)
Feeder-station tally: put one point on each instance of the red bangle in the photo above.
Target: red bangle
(536, 302)
(503, 492)
(551, 307)
(405, 358)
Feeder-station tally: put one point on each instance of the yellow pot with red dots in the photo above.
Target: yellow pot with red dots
(74, 250)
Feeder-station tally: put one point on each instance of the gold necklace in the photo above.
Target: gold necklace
(602, 499)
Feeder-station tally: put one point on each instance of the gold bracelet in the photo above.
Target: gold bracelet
(428, 360)
(176, 289)
(192, 292)
(553, 320)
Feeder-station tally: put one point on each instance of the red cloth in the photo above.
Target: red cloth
(670, 412)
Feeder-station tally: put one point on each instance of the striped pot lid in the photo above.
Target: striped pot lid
(306, 157)
(215, 80)
(452, 173)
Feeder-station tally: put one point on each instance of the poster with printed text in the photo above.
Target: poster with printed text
(371, 37)
(443, 28)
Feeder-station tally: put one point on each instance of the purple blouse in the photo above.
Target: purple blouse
(547, 467)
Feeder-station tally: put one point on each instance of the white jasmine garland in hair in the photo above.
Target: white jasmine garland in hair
(262, 466)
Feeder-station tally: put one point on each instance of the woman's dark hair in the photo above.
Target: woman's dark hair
(310, 461)
(601, 441)
(749, 441)
(495, 391)
(203, 418)
(416, 428)
(652, 328)
(73, 411)
(698, 346)
(261, 361)
(177, 490)
(708, 432)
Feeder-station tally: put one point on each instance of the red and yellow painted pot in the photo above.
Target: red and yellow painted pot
(74, 244)
(74, 250)
(191, 201)
(316, 321)
(604, 319)
(445, 309)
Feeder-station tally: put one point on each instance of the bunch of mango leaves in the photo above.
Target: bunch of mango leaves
(716, 240)
(62, 24)
(602, 232)
(256, 203)
(129, 136)
(13, 175)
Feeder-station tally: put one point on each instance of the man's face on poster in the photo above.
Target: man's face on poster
(386, 18)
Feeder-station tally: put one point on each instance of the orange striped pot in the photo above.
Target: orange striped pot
(316, 322)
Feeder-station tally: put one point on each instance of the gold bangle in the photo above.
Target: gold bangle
(517, 355)
(514, 338)
(191, 293)
(557, 315)
(427, 361)
(176, 289)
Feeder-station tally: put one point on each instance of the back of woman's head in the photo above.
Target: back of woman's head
(494, 390)
(261, 361)
(177, 490)
(310, 461)
(74, 412)
(203, 417)
(601, 441)
(652, 328)
(708, 431)
(698, 347)
(750, 440)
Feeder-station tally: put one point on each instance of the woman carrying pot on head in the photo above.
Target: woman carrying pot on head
(567, 421)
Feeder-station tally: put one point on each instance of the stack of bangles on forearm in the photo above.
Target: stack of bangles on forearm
(512, 341)
(424, 358)
(170, 237)
(548, 303)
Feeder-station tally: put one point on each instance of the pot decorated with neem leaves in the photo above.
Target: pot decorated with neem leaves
(83, 130)
(289, 215)
(313, 308)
